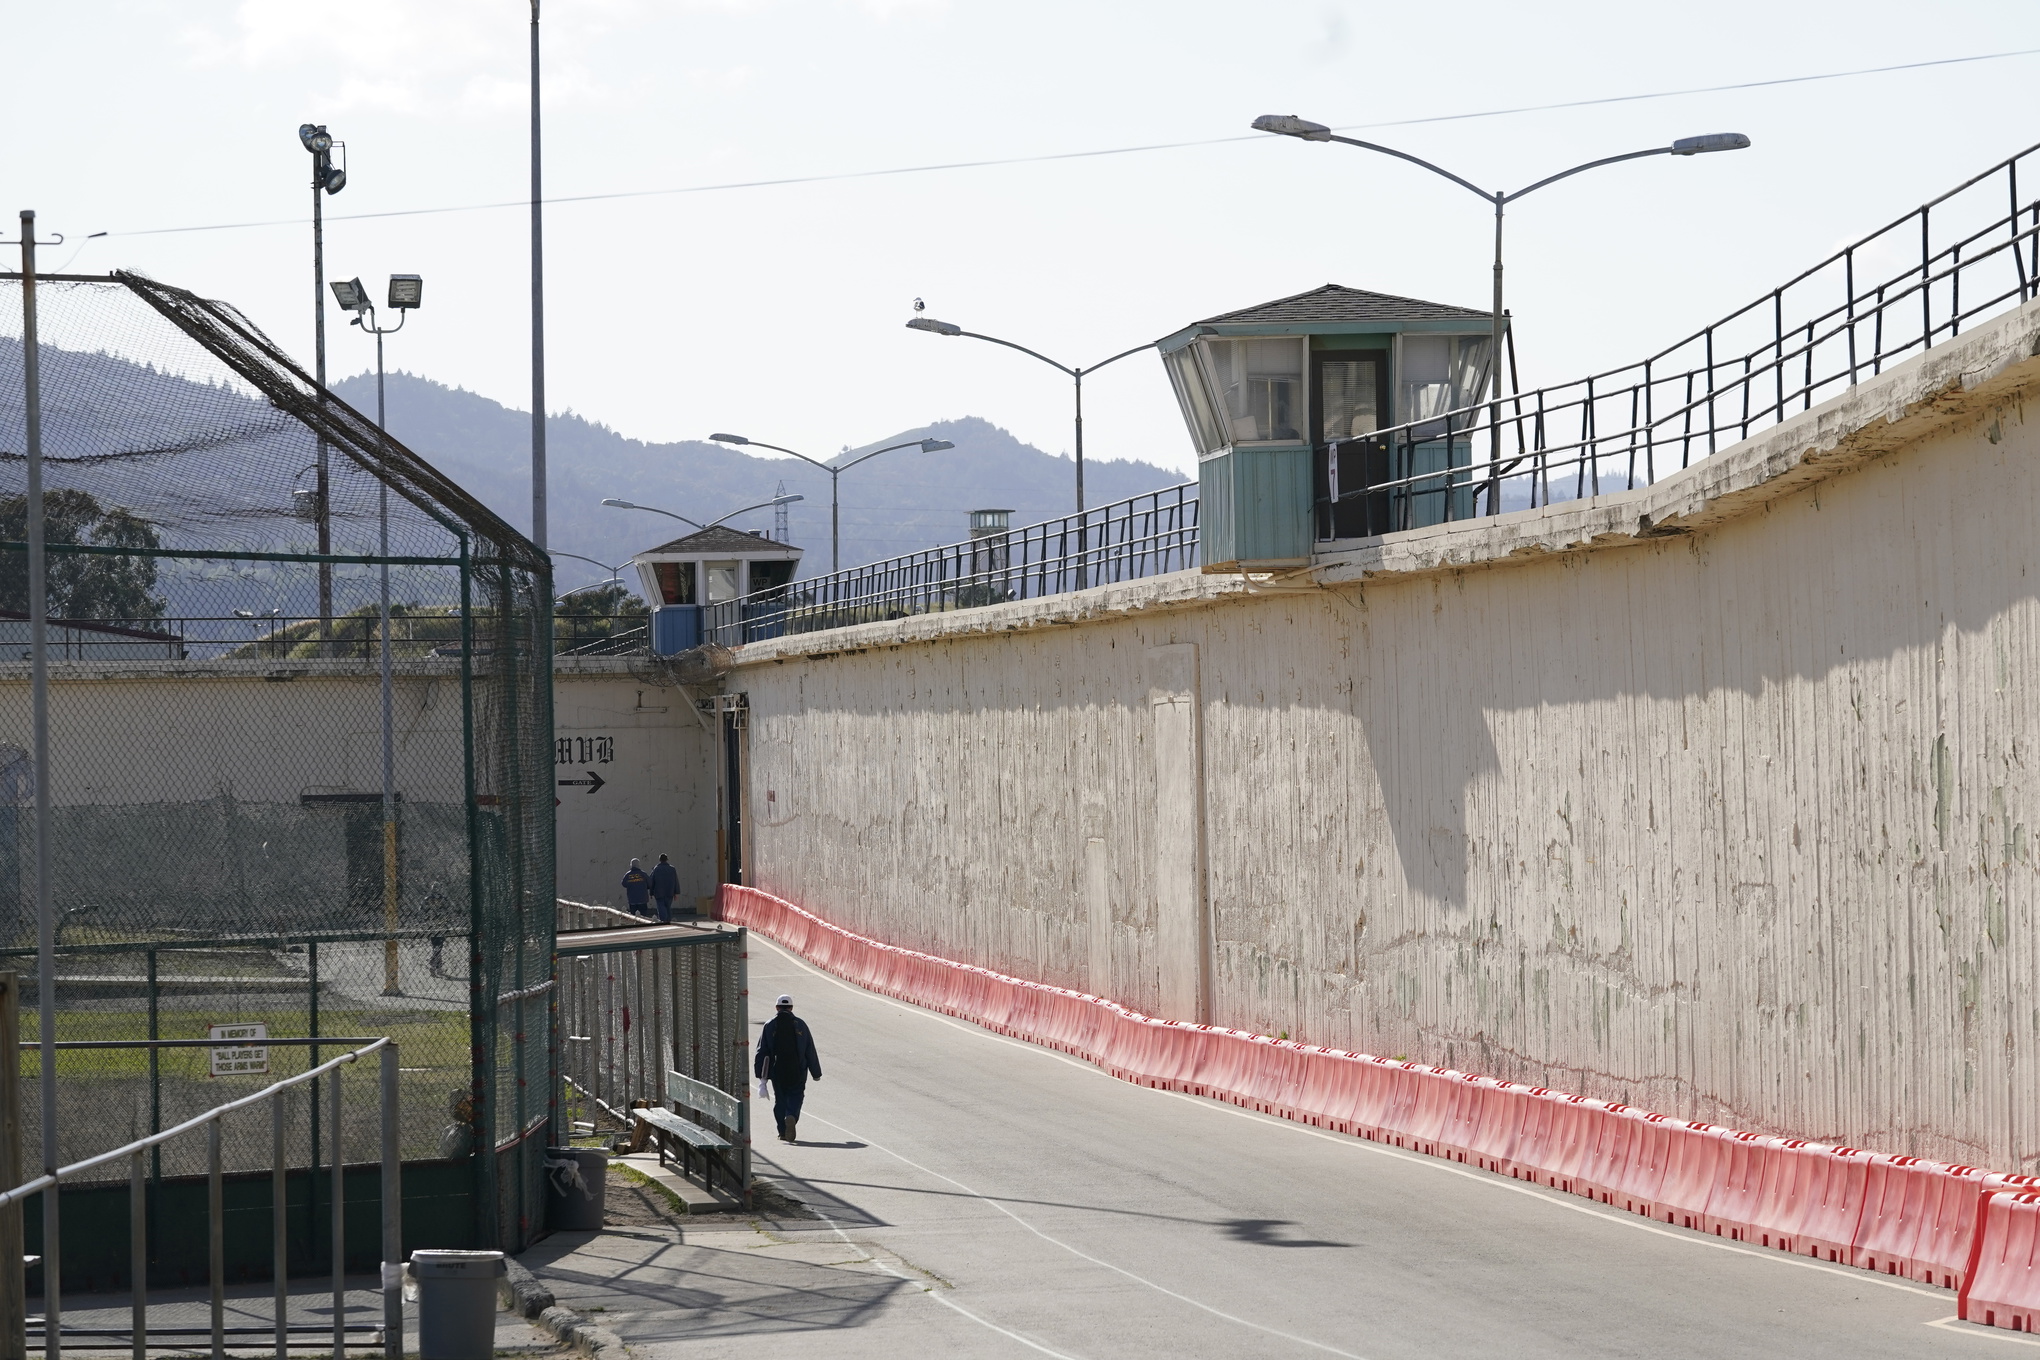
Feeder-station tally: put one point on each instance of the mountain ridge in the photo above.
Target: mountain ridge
(902, 502)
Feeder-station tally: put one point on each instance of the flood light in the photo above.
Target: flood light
(933, 327)
(1289, 125)
(336, 178)
(406, 291)
(315, 137)
(1713, 141)
(350, 294)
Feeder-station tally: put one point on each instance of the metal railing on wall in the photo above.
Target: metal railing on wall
(1897, 292)
(1125, 541)
(138, 1334)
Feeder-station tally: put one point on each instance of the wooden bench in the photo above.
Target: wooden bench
(672, 1131)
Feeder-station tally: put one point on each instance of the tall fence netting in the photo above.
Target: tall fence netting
(219, 534)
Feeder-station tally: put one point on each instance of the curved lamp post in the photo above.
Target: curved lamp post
(834, 470)
(1289, 125)
(615, 573)
(761, 505)
(934, 327)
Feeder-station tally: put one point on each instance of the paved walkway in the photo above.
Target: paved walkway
(989, 1198)
(249, 1306)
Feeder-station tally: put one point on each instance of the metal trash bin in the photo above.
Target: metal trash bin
(575, 1179)
(457, 1303)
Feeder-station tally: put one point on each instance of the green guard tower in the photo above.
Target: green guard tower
(1267, 391)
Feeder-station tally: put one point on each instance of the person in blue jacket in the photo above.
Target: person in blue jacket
(637, 888)
(786, 1054)
(665, 884)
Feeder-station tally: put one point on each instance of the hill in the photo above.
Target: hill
(899, 503)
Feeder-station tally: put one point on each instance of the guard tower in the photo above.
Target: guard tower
(715, 565)
(1267, 391)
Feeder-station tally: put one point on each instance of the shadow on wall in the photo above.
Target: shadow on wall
(1817, 593)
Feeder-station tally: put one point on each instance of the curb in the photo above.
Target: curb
(522, 1293)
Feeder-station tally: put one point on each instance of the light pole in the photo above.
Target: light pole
(537, 309)
(761, 505)
(834, 470)
(327, 178)
(1289, 125)
(407, 292)
(934, 327)
(615, 572)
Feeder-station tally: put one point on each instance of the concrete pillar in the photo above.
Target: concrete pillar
(1182, 914)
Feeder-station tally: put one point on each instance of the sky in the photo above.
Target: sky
(777, 311)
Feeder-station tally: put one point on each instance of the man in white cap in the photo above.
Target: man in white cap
(786, 1054)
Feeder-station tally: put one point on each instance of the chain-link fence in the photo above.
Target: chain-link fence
(637, 1001)
(248, 827)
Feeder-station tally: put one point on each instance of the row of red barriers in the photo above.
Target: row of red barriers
(1895, 1215)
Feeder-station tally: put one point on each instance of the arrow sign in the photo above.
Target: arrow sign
(593, 782)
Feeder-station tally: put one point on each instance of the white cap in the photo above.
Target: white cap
(785, 1000)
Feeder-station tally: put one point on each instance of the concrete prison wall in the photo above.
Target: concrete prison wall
(1713, 797)
(179, 788)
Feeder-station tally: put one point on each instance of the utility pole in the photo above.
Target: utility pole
(327, 178)
(537, 308)
(39, 725)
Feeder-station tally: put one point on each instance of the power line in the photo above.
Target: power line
(1085, 155)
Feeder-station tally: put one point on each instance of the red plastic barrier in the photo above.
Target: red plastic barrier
(2001, 1285)
(1952, 1226)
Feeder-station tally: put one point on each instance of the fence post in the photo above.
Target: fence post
(392, 1212)
(279, 1205)
(13, 1284)
(216, 1232)
(339, 1196)
(138, 1254)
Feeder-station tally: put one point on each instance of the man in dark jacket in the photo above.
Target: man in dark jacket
(665, 885)
(637, 887)
(786, 1054)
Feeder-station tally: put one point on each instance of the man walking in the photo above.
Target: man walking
(786, 1054)
(665, 884)
(637, 887)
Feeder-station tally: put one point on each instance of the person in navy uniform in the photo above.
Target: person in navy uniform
(786, 1054)
(637, 890)
(665, 886)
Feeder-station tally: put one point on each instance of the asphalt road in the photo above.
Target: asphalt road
(984, 1197)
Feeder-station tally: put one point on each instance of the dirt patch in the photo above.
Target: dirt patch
(634, 1200)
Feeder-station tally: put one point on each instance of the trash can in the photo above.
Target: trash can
(574, 1181)
(457, 1303)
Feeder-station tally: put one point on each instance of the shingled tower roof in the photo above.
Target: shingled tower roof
(1345, 305)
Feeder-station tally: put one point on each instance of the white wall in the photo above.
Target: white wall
(220, 755)
(658, 794)
(1735, 824)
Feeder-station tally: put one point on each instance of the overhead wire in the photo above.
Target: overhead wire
(1084, 155)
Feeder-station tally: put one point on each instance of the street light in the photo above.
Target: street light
(327, 178)
(761, 505)
(834, 470)
(1289, 125)
(407, 291)
(934, 327)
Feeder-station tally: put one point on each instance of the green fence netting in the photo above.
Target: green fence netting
(219, 529)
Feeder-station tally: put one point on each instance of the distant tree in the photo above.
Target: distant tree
(82, 585)
(612, 599)
(596, 615)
